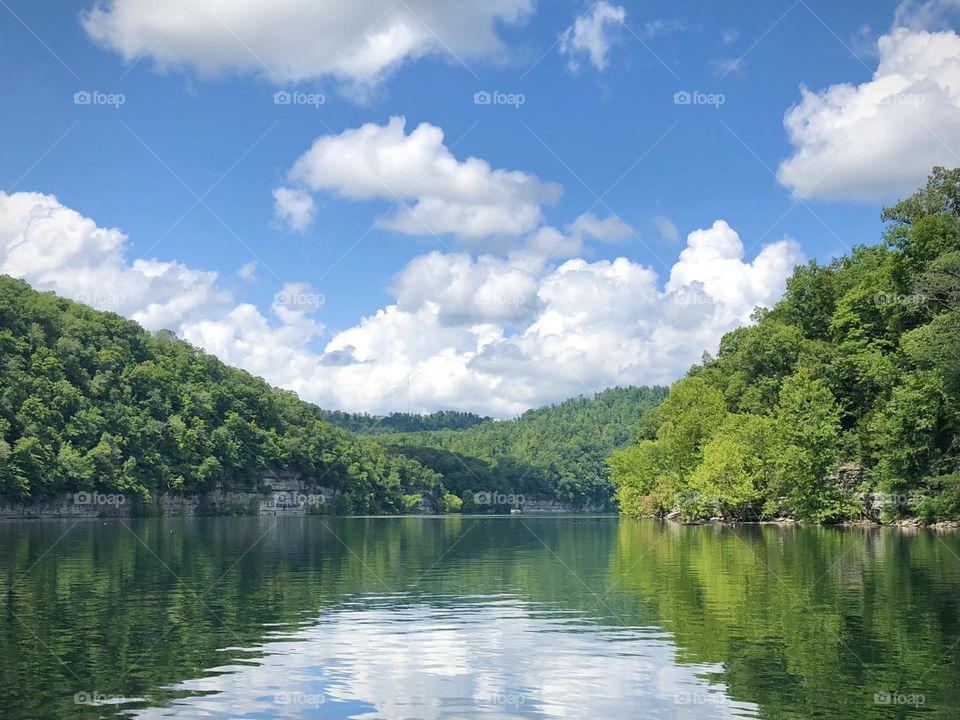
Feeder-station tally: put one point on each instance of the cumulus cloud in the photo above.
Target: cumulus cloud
(294, 207)
(499, 335)
(590, 35)
(298, 40)
(877, 141)
(486, 333)
(467, 291)
(56, 248)
(435, 193)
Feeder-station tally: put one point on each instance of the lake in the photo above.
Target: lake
(425, 617)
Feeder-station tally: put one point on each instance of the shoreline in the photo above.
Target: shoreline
(901, 524)
(906, 525)
(291, 499)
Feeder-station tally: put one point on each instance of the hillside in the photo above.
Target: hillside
(857, 367)
(91, 400)
(557, 451)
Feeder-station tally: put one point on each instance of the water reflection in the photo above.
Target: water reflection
(436, 618)
(387, 659)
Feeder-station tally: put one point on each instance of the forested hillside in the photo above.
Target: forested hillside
(401, 422)
(858, 366)
(90, 400)
(557, 451)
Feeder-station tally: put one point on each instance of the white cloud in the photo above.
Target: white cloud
(435, 192)
(55, 248)
(467, 291)
(298, 40)
(667, 228)
(294, 207)
(714, 259)
(589, 35)
(610, 229)
(500, 335)
(926, 14)
(878, 140)
(491, 334)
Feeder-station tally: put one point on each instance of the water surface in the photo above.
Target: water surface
(536, 617)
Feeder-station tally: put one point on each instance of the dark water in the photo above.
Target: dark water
(445, 618)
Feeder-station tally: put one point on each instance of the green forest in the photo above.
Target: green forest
(402, 422)
(91, 401)
(848, 388)
(557, 451)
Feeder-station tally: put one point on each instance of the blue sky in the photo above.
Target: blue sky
(599, 118)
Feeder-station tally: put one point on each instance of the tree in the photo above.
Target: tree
(940, 196)
(738, 470)
(808, 434)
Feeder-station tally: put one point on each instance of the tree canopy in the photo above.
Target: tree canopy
(89, 400)
(857, 366)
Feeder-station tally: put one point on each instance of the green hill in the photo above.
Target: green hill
(557, 451)
(89, 400)
(856, 368)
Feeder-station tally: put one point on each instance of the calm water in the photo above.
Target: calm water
(574, 617)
